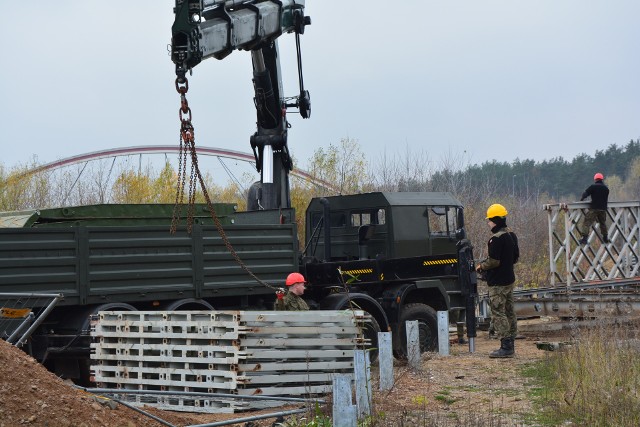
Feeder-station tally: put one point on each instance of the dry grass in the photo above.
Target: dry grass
(596, 381)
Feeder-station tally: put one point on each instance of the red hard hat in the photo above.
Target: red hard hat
(598, 176)
(294, 278)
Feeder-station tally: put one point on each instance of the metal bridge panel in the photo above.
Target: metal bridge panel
(571, 262)
(239, 352)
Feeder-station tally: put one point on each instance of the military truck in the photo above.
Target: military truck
(398, 256)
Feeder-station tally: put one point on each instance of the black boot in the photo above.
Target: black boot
(506, 349)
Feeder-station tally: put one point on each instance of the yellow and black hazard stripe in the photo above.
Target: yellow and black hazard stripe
(358, 271)
(440, 261)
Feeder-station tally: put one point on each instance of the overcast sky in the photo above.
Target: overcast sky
(500, 79)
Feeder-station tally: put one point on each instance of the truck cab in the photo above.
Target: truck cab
(384, 225)
(395, 255)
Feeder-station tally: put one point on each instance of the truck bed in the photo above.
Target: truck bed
(97, 264)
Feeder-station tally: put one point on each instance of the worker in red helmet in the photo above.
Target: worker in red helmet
(597, 211)
(291, 299)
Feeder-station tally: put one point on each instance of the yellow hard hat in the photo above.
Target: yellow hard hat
(496, 210)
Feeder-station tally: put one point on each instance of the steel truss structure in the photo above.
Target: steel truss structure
(571, 263)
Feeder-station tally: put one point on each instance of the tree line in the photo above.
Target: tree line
(523, 186)
(557, 177)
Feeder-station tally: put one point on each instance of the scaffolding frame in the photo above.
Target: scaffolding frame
(571, 263)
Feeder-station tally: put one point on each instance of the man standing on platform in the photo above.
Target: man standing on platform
(597, 211)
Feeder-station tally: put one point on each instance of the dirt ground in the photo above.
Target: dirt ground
(448, 390)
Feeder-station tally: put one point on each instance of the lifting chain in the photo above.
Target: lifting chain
(188, 150)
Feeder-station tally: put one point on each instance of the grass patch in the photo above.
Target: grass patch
(595, 382)
(444, 396)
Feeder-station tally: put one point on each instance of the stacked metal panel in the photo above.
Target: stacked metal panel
(243, 353)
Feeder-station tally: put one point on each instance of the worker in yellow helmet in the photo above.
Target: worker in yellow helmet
(503, 252)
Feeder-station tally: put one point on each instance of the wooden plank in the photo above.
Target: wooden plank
(149, 383)
(203, 405)
(204, 315)
(168, 349)
(167, 335)
(172, 373)
(248, 368)
(300, 354)
(284, 378)
(314, 331)
(106, 359)
(300, 390)
(253, 343)
(299, 317)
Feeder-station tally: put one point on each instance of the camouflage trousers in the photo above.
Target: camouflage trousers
(592, 216)
(503, 315)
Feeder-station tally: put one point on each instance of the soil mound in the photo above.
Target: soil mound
(31, 395)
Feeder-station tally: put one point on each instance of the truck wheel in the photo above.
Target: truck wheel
(110, 306)
(84, 362)
(427, 326)
(188, 304)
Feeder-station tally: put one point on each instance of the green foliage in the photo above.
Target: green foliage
(164, 185)
(133, 187)
(344, 166)
(347, 278)
(557, 177)
(420, 400)
(20, 190)
(315, 419)
(444, 396)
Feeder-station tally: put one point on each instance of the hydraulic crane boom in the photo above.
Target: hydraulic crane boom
(214, 28)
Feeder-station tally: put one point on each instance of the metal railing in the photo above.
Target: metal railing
(571, 263)
(22, 313)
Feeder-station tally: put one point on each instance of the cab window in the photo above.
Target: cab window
(442, 221)
(337, 219)
(375, 216)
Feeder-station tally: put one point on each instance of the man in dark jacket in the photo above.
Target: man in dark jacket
(498, 267)
(597, 211)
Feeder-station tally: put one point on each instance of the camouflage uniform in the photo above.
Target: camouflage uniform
(597, 211)
(503, 253)
(503, 315)
(591, 216)
(291, 302)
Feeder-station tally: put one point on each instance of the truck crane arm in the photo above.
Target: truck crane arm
(214, 28)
